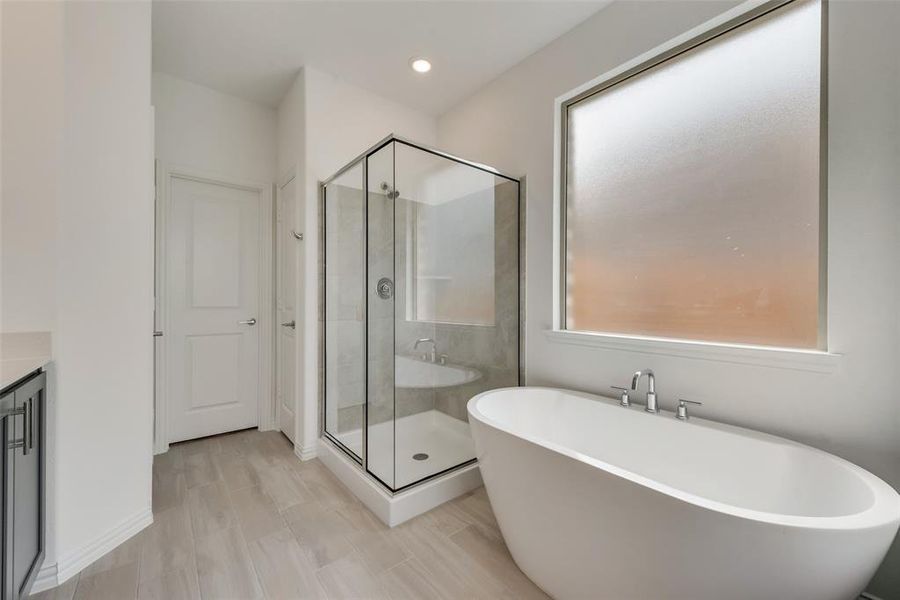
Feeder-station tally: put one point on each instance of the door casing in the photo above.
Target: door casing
(285, 224)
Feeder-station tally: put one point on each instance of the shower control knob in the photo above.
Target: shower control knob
(385, 288)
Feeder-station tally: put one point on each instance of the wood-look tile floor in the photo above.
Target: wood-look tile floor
(239, 517)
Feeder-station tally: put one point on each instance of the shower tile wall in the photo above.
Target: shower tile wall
(345, 309)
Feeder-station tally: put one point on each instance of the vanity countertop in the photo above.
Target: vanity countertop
(22, 353)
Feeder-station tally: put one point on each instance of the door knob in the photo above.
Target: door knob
(291, 324)
(248, 322)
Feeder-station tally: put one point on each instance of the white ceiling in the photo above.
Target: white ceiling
(253, 49)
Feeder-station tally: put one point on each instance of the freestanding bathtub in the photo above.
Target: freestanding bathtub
(604, 502)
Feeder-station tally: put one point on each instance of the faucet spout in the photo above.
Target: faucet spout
(652, 405)
(651, 380)
(432, 356)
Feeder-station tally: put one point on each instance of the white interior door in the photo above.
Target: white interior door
(213, 295)
(286, 286)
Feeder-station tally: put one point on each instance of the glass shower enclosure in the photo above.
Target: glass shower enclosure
(421, 306)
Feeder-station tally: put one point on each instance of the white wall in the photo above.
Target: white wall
(105, 276)
(31, 136)
(342, 120)
(211, 132)
(853, 412)
(290, 131)
(339, 122)
(81, 191)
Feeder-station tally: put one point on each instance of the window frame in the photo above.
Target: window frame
(765, 355)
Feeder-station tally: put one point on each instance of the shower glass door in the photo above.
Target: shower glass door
(443, 306)
(344, 211)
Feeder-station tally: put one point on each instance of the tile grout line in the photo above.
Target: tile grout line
(240, 528)
(217, 481)
(190, 514)
(190, 517)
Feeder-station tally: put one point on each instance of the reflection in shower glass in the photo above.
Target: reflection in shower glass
(456, 308)
(449, 234)
(438, 240)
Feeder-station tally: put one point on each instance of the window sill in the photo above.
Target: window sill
(816, 361)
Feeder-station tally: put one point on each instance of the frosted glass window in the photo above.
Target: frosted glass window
(693, 191)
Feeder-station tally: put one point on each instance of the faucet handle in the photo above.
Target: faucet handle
(681, 412)
(623, 395)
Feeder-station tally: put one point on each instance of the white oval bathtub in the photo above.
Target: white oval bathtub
(599, 501)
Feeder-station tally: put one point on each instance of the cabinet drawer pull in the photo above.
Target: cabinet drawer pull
(16, 444)
(26, 426)
(30, 424)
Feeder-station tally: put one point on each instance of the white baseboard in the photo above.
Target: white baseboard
(307, 453)
(46, 579)
(74, 562)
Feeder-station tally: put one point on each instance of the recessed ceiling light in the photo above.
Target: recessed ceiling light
(420, 65)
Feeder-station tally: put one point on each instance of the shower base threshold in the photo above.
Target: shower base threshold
(396, 508)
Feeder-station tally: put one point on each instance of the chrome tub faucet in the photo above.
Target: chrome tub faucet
(431, 356)
(652, 406)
